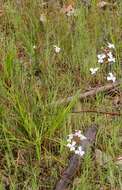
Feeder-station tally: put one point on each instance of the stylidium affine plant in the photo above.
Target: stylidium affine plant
(107, 58)
(74, 143)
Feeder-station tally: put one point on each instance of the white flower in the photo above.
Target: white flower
(82, 137)
(111, 77)
(70, 12)
(110, 57)
(69, 140)
(43, 18)
(57, 49)
(78, 134)
(70, 137)
(101, 57)
(100, 60)
(93, 70)
(111, 45)
(79, 151)
(71, 146)
(34, 47)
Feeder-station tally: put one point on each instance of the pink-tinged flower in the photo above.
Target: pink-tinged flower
(119, 158)
(69, 10)
(78, 134)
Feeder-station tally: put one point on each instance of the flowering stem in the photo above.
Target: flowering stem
(75, 160)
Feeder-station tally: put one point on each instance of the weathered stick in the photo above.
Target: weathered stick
(88, 94)
(98, 112)
(75, 161)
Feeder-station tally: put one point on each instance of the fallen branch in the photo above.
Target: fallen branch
(88, 94)
(75, 161)
(98, 112)
(89, 111)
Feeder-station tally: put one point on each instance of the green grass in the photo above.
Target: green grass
(33, 131)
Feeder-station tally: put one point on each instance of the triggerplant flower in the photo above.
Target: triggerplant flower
(111, 59)
(71, 145)
(111, 77)
(80, 151)
(101, 57)
(74, 142)
(69, 11)
(111, 46)
(93, 70)
(57, 49)
(78, 134)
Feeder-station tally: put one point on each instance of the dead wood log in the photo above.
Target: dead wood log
(88, 94)
(75, 160)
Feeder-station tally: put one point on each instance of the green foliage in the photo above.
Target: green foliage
(33, 77)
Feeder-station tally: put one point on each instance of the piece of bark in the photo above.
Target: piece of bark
(88, 94)
(75, 160)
